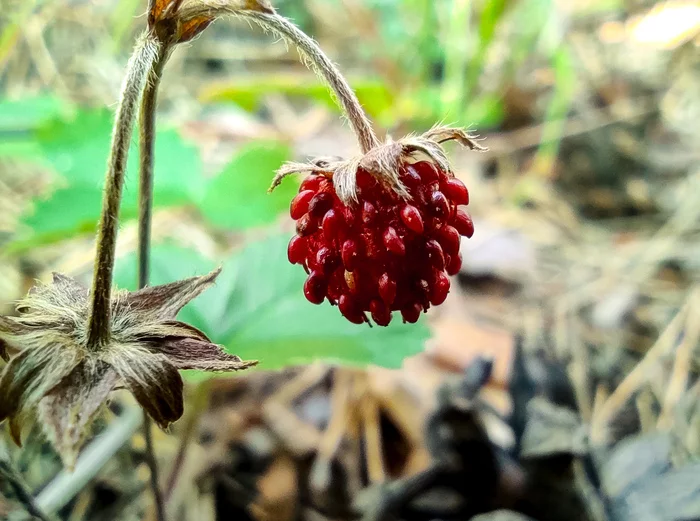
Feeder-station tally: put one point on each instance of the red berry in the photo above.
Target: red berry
(297, 250)
(387, 289)
(369, 213)
(440, 288)
(427, 171)
(320, 204)
(312, 182)
(348, 307)
(449, 239)
(332, 224)
(463, 223)
(439, 205)
(454, 265)
(437, 258)
(411, 313)
(412, 219)
(455, 190)
(307, 225)
(326, 259)
(381, 313)
(300, 204)
(315, 287)
(411, 178)
(393, 242)
(384, 253)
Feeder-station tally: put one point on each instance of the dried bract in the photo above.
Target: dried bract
(67, 381)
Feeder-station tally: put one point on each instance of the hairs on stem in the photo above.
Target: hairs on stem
(138, 69)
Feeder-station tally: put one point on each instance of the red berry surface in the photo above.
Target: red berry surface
(384, 253)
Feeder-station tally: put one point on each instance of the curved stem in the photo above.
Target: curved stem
(325, 67)
(146, 161)
(140, 65)
(147, 123)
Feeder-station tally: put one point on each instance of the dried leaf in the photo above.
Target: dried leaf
(3, 349)
(71, 406)
(189, 353)
(191, 28)
(31, 374)
(165, 301)
(383, 162)
(154, 382)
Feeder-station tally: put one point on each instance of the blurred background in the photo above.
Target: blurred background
(585, 257)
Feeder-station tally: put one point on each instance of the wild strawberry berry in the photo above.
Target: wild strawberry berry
(384, 253)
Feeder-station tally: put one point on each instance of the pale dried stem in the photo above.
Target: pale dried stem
(138, 69)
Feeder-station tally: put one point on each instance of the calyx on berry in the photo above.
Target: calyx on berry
(381, 233)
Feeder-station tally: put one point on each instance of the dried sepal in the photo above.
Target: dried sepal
(190, 353)
(67, 381)
(383, 162)
(3, 351)
(164, 302)
(68, 409)
(178, 21)
(33, 373)
(154, 382)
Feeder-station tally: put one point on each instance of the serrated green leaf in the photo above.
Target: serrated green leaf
(257, 309)
(237, 198)
(77, 148)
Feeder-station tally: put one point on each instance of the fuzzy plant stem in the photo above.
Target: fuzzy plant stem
(138, 69)
(147, 138)
(314, 56)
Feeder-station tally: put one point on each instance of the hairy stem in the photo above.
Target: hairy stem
(140, 65)
(313, 54)
(147, 121)
(147, 138)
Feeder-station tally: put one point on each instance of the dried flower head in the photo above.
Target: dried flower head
(381, 233)
(67, 381)
(179, 21)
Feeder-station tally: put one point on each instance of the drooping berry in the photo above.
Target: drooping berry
(350, 310)
(296, 251)
(332, 223)
(315, 287)
(300, 204)
(312, 182)
(435, 255)
(350, 254)
(463, 223)
(439, 289)
(439, 205)
(412, 219)
(449, 239)
(381, 313)
(411, 313)
(393, 242)
(386, 252)
(454, 265)
(455, 190)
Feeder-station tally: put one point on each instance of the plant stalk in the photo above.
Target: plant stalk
(138, 69)
(313, 54)
(147, 138)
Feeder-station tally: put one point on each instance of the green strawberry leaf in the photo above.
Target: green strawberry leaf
(258, 311)
(237, 198)
(77, 148)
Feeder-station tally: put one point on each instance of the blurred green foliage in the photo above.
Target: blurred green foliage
(425, 61)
